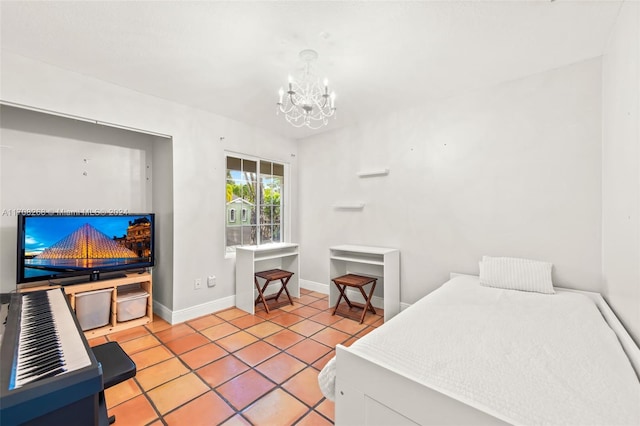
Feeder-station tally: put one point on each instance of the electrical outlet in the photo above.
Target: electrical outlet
(197, 283)
(211, 280)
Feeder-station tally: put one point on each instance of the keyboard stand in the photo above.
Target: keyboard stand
(116, 367)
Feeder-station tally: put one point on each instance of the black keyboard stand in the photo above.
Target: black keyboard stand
(116, 368)
(103, 420)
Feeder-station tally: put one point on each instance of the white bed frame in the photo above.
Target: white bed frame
(370, 394)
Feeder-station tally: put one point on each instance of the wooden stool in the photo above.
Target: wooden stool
(269, 276)
(357, 281)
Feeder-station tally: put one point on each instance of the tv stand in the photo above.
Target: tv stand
(144, 279)
(95, 277)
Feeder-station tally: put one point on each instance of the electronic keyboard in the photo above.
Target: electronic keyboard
(48, 373)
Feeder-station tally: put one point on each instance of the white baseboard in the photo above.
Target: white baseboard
(182, 315)
(314, 286)
(404, 306)
(162, 311)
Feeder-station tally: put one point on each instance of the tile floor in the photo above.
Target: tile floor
(232, 368)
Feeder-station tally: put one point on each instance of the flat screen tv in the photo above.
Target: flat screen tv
(61, 246)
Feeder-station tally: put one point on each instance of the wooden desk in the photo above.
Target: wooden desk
(252, 259)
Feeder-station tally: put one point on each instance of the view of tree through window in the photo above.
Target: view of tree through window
(254, 202)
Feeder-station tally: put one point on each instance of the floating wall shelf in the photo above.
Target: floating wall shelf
(351, 206)
(371, 173)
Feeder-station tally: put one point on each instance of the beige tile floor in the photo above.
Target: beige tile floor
(232, 368)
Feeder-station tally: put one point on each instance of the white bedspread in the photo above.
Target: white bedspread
(526, 358)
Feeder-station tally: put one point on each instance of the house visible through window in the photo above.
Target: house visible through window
(255, 188)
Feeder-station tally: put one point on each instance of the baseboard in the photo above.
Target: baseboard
(314, 286)
(182, 315)
(162, 311)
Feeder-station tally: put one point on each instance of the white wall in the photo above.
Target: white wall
(198, 165)
(57, 164)
(621, 169)
(162, 190)
(512, 170)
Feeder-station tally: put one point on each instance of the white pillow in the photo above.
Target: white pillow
(516, 274)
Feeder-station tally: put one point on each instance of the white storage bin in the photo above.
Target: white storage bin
(93, 308)
(132, 302)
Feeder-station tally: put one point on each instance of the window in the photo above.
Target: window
(255, 187)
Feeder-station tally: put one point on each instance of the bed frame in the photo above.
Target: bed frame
(370, 394)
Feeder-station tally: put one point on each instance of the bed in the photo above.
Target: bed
(468, 354)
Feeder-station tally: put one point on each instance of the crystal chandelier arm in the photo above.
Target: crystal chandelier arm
(325, 98)
(299, 121)
(292, 98)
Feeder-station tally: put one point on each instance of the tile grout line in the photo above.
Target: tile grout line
(309, 407)
(240, 411)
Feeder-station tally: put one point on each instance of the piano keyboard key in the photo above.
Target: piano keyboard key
(48, 342)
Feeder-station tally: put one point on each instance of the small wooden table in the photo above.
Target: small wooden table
(269, 276)
(357, 281)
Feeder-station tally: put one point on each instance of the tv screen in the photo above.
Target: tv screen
(59, 246)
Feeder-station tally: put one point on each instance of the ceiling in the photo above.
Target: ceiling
(231, 57)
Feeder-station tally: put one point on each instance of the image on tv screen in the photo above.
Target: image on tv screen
(67, 244)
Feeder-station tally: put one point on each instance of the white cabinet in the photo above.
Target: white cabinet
(252, 259)
(380, 262)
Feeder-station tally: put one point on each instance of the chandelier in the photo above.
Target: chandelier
(307, 102)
